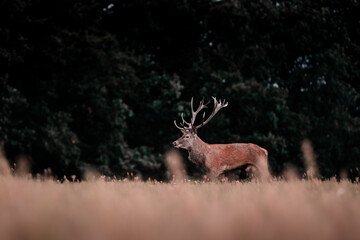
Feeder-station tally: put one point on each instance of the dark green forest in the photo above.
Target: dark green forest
(99, 83)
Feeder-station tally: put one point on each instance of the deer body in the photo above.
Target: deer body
(219, 158)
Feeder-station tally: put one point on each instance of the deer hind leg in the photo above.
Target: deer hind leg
(252, 172)
(259, 172)
(264, 174)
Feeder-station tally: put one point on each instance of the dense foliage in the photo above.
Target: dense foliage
(99, 82)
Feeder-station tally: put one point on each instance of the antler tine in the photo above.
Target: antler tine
(182, 124)
(224, 103)
(181, 128)
(202, 121)
(217, 106)
(194, 113)
(185, 122)
(191, 103)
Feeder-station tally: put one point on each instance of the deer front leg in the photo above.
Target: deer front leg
(215, 175)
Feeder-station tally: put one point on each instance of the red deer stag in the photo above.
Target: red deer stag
(220, 158)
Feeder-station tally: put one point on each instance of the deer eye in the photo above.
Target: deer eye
(186, 136)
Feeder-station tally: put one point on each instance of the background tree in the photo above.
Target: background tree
(100, 82)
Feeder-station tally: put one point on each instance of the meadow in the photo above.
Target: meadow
(124, 209)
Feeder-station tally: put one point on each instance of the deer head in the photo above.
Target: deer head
(189, 129)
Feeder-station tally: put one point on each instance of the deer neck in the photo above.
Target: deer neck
(198, 151)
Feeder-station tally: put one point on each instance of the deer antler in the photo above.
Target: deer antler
(217, 106)
(194, 113)
(190, 125)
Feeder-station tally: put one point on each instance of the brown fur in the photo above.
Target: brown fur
(219, 158)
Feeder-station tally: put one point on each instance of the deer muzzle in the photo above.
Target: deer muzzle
(175, 144)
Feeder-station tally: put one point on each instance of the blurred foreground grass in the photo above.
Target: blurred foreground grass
(32, 209)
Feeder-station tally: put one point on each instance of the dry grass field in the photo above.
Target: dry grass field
(46, 209)
(103, 208)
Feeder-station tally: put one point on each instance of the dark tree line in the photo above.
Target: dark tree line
(100, 82)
